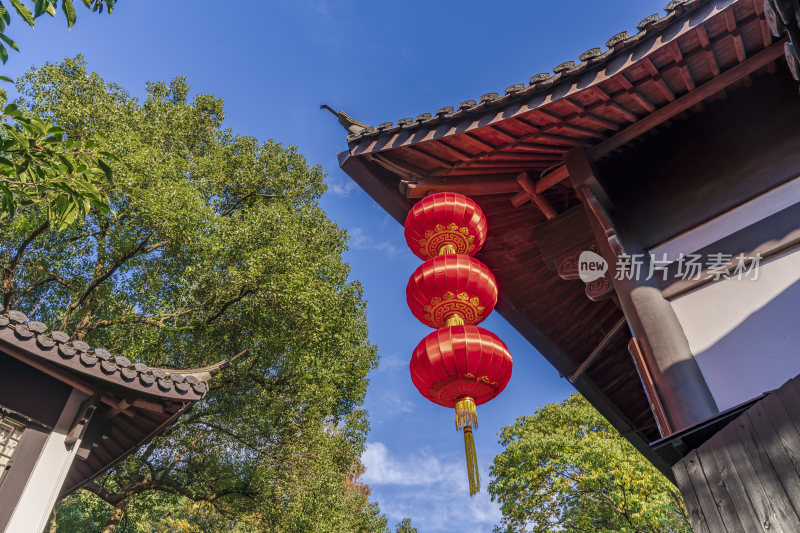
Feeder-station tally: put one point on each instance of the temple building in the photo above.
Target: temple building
(69, 412)
(643, 204)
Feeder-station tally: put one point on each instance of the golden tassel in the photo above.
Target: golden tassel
(466, 419)
(447, 249)
(454, 320)
(472, 462)
(466, 414)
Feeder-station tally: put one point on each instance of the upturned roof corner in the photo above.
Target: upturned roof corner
(352, 126)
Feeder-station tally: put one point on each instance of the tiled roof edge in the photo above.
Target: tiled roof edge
(566, 70)
(155, 379)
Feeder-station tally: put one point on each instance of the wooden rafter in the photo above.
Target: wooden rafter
(689, 100)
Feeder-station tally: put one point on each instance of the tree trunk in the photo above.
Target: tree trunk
(116, 516)
(52, 528)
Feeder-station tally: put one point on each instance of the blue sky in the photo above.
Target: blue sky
(274, 63)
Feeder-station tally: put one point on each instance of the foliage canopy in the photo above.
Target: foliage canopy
(567, 469)
(214, 244)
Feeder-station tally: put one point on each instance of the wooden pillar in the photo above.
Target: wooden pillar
(682, 389)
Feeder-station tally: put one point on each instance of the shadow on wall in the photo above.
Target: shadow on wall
(745, 333)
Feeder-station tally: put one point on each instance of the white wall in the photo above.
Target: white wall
(41, 491)
(745, 334)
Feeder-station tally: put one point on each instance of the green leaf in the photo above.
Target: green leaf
(11, 110)
(8, 200)
(23, 11)
(6, 78)
(38, 8)
(3, 53)
(56, 130)
(10, 43)
(106, 169)
(6, 16)
(87, 3)
(67, 163)
(39, 126)
(69, 11)
(109, 155)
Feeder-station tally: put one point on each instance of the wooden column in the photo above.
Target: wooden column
(679, 383)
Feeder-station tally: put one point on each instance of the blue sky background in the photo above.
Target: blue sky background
(274, 63)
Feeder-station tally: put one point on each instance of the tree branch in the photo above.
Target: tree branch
(8, 272)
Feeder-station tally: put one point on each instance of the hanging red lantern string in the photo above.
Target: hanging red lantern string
(445, 223)
(461, 367)
(451, 289)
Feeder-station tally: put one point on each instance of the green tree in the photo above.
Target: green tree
(215, 245)
(42, 169)
(567, 469)
(39, 166)
(404, 526)
(41, 7)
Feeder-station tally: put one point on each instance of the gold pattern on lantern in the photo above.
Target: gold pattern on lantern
(481, 379)
(456, 236)
(439, 309)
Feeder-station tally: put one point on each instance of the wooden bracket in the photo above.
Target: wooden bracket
(601, 288)
(538, 200)
(600, 349)
(81, 422)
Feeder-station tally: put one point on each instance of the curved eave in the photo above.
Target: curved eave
(92, 372)
(566, 85)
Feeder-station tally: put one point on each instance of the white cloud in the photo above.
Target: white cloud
(360, 240)
(391, 363)
(422, 469)
(432, 492)
(341, 188)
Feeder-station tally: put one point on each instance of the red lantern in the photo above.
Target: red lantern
(461, 367)
(451, 289)
(445, 222)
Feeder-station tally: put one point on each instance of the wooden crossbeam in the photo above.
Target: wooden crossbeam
(557, 175)
(538, 200)
(689, 100)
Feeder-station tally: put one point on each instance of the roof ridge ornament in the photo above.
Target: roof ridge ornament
(349, 123)
(205, 373)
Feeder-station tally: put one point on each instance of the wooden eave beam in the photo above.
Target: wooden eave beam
(689, 100)
(404, 170)
(469, 186)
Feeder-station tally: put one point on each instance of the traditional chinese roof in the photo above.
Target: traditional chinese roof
(137, 401)
(507, 152)
(694, 31)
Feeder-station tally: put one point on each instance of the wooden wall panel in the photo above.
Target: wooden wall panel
(746, 478)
